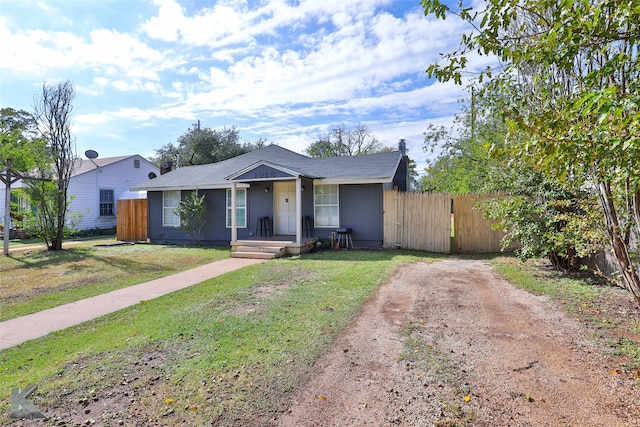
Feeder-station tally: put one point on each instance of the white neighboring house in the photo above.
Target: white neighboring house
(96, 186)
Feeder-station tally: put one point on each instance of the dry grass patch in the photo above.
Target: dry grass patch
(34, 281)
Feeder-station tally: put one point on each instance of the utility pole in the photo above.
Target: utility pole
(8, 176)
(473, 114)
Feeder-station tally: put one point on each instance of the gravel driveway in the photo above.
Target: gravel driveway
(453, 344)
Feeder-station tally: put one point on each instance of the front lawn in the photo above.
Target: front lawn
(37, 280)
(226, 351)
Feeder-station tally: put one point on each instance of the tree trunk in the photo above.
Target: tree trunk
(620, 249)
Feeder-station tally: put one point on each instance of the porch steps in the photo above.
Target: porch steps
(260, 250)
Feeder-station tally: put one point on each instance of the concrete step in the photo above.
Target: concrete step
(269, 249)
(253, 255)
(261, 249)
(266, 242)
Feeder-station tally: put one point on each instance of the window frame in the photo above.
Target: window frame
(239, 209)
(166, 209)
(106, 208)
(336, 206)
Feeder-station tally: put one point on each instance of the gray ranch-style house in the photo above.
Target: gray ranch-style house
(272, 194)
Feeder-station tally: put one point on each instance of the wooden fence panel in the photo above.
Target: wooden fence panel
(473, 233)
(420, 221)
(131, 221)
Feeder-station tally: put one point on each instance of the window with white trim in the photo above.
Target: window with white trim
(106, 202)
(241, 208)
(19, 200)
(170, 202)
(326, 208)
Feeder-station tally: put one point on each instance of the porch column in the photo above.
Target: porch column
(298, 211)
(234, 225)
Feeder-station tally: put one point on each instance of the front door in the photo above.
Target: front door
(285, 221)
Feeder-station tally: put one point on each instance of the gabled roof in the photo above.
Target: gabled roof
(87, 165)
(379, 167)
(82, 166)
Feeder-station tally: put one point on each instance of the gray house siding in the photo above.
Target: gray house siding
(260, 204)
(307, 199)
(214, 232)
(360, 210)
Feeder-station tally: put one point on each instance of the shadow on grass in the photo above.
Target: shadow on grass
(485, 257)
(45, 258)
(76, 256)
(367, 255)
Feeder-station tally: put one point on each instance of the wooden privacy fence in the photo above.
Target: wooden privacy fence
(131, 220)
(419, 221)
(473, 233)
(424, 221)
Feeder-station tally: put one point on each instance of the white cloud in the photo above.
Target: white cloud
(282, 69)
(43, 5)
(106, 52)
(165, 26)
(101, 81)
(120, 85)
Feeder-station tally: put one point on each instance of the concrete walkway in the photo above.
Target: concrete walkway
(21, 329)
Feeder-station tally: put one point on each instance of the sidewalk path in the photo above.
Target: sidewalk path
(36, 325)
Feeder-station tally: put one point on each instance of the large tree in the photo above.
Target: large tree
(538, 212)
(200, 146)
(463, 163)
(571, 69)
(19, 142)
(342, 141)
(19, 139)
(53, 109)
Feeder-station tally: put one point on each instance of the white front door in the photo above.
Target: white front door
(285, 221)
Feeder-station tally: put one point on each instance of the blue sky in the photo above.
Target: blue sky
(287, 71)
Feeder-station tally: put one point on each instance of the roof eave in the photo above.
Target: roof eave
(188, 187)
(327, 181)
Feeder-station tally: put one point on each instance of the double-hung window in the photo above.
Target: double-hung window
(170, 202)
(241, 208)
(106, 202)
(325, 205)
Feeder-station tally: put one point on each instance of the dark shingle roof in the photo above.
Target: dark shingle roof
(381, 167)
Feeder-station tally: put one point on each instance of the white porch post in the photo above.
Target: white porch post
(298, 211)
(234, 225)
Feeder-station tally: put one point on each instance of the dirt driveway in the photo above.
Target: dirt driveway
(451, 343)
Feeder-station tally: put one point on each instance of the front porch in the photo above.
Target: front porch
(272, 247)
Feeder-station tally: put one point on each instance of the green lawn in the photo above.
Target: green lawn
(32, 281)
(229, 348)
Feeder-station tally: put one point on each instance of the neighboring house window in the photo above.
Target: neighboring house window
(325, 205)
(106, 202)
(136, 163)
(20, 202)
(18, 206)
(170, 201)
(241, 208)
